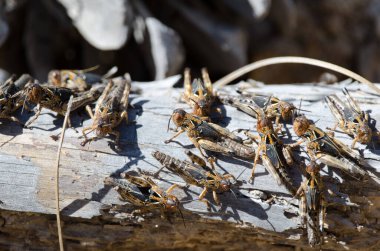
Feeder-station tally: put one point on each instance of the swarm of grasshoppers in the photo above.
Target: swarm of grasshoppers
(350, 118)
(328, 149)
(110, 110)
(197, 173)
(275, 155)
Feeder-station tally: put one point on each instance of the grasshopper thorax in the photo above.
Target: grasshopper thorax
(301, 125)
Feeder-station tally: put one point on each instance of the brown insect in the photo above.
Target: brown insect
(209, 136)
(275, 155)
(312, 203)
(77, 80)
(351, 119)
(110, 110)
(144, 192)
(273, 107)
(197, 173)
(327, 149)
(11, 96)
(56, 99)
(199, 94)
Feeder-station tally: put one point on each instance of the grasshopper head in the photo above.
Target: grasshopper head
(301, 125)
(312, 168)
(103, 126)
(171, 203)
(286, 110)
(264, 124)
(179, 116)
(364, 133)
(34, 92)
(225, 185)
(200, 98)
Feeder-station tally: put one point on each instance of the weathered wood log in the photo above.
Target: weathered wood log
(262, 214)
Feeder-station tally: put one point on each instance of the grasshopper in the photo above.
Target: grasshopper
(77, 80)
(312, 203)
(209, 136)
(243, 104)
(57, 98)
(275, 155)
(273, 107)
(110, 110)
(328, 149)
(144, 192)
(351, 119)
(197, 173)
(11, 98)
(199, 94)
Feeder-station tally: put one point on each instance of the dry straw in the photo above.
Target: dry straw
(60, 238)
(292, 60)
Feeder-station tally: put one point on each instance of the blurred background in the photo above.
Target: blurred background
(153, 39)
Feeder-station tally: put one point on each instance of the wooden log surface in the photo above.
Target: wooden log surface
(27, 158)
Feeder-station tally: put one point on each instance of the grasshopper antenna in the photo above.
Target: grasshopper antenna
(169, 122)
(299, 107)
(267, 103)
(240, 174)
(183, 218)
(233, 193)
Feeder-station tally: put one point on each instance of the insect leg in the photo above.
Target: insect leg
(195, 159)
(117, 135)
(123, 115)
(257, 155)
(14, 119)
(354, 142)
(198, 146)
(175, 136)
(187, 84)
(201, 198)
(39, 109)
(229, 176)
(125, 98)
(89, 111)
(211, 160)
(334, 127)
(296, 144)
(287, 152)
(207, 81)
(303, 210)
(171, 188)
(216, 198)
(214, 147)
